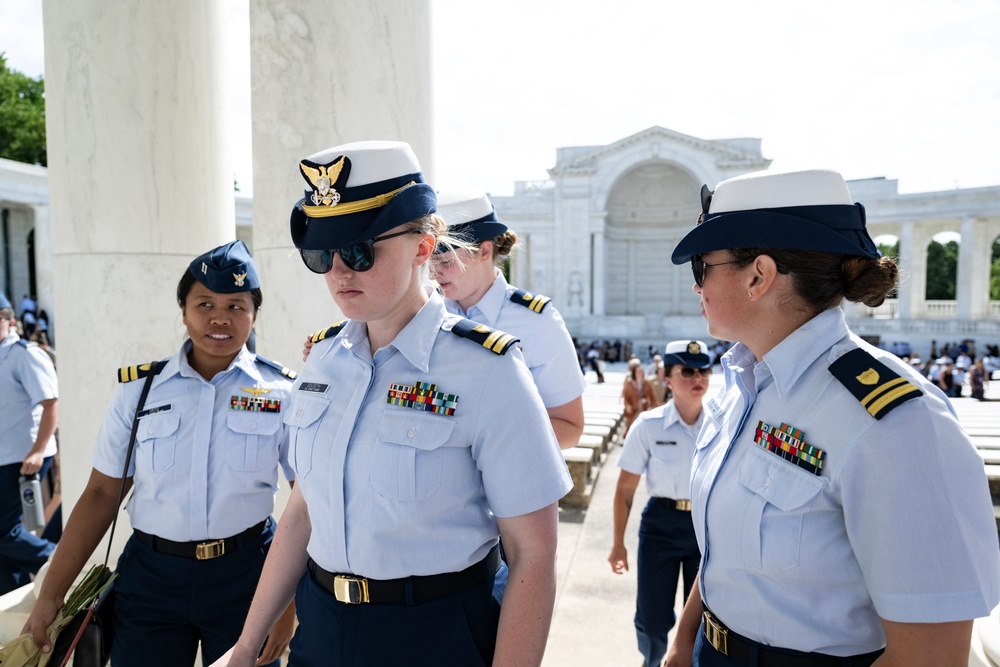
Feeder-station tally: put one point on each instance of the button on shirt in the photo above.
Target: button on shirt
(545, 342)
(395, 491)
(202, 468)
(27, 378)
(661, 445)
(898, 525)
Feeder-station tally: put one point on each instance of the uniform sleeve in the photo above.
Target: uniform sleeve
(557, 372)
(635, 452)
(919, 517)
(38, 376)
(514, 446)
(283, 445)
(113, 436)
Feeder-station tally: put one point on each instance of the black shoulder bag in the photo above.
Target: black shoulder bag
(88, 636)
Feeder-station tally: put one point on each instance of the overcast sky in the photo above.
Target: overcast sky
(906, 89)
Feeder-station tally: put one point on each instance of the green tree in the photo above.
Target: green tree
(942, 270)
(22, 116)
(995, 271)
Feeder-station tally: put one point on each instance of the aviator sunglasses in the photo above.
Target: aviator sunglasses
(357, 257)
(687, 372)
(699, 268)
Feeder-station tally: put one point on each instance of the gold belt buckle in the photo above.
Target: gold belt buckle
(715, 633)
(683, 505)
(350, 590)
(210, 550)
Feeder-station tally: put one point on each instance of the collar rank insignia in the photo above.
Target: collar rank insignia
(789, 443)
(255, 404)
(422, 396)
(879, 389)
(534, 302)
(256, 391)
(239, 278)
(495, 341)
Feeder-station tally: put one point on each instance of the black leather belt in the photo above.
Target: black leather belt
(740, 650)
(682, 505)
(205, 550)
(350, 589)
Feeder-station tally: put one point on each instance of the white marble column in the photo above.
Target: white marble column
(140, 184)
(43, 262)
(907, 253)
(323, 75)
(964, 287)
(598, 273)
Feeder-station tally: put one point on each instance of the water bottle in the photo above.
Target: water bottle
(31, 502)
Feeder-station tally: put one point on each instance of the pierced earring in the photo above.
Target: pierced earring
(750, 294)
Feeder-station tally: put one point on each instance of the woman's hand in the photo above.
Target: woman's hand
(38, 622)
(307, 348)
(619, 559)
(32, 463)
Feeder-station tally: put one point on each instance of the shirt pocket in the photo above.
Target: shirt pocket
(251, 445)
(407, 461)
(303, 421)
(156, 441)
(781, 496)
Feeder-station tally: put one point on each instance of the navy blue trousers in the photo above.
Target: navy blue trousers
(165, 605)
(21, 551)
(667, 544)
(459, 629)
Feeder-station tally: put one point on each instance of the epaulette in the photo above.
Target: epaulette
(535, 302)
(22, 342)
(284, 370)
(129, 373)
(493, 340)
(329, 332)
(878, 387)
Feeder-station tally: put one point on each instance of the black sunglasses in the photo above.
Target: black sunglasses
(687, 372)
(698, 268)
(357, 257)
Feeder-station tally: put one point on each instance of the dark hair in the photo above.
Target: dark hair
(503, 245)
(822, 279)
(188, 281)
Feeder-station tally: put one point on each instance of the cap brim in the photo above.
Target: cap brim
(685, 359)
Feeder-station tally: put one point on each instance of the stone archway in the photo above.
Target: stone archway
(648, 210)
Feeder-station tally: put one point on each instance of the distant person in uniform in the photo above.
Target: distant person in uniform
(661, 446)
(637, 393)
(204, 473)
(843, 515)
(418, 440)
(29, 415)
(474, 286)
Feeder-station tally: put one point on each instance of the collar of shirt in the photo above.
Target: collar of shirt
(786, 362)
(179, 365)
(671, 416)
(491, 303)
(7, 343)
(415, 341)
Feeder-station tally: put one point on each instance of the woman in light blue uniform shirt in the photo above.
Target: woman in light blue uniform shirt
(204, 473)
(660, 445)
(418, 440)
(843, 515)
(474, 286)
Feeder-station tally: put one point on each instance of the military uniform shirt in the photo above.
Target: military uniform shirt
(545, 343)
(661, 445)
(203, 468)
(897, 525)
(394, 490)
(27, 378)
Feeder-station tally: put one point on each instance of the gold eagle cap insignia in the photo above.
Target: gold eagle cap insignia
(869, 377)
(322, 177)
(239, 278)
(694, 348)
(256, 391)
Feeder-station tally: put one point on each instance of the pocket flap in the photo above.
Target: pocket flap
(413, 429)
(305, 410)
(157, 425)
(778, 482)
(252, 423)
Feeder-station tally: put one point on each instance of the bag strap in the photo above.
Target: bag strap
(128, 454)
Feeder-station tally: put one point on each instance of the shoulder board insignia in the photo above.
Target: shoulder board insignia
(284, 370)
(879, 388)
(493, 340)
(129, 373)
(535, 302)
(329, 332)
(22, 342)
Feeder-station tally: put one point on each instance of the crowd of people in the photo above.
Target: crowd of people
(958, 369)
(422, 444)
